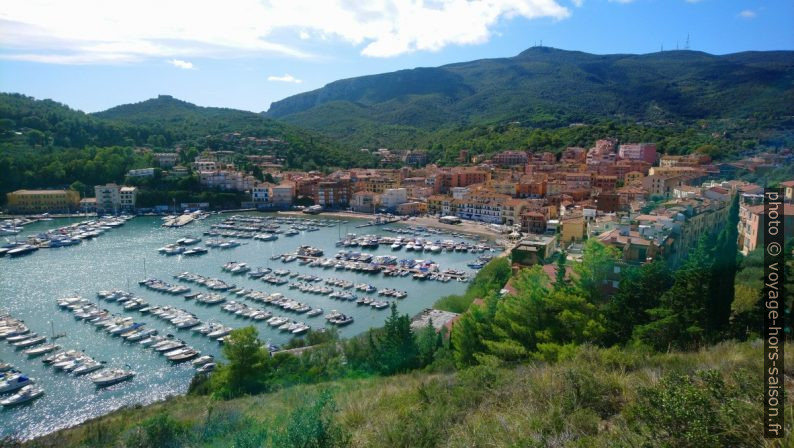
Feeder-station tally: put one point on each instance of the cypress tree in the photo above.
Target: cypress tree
(724, 272)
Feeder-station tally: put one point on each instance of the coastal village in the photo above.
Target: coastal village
(648, 205)
(537, 205)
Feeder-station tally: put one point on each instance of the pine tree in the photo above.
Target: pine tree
(640, 290)
(679, 320)
(593, 272)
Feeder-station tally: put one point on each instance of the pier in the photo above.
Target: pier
(179, 221)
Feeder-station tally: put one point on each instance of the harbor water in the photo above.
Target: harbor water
(120, 258)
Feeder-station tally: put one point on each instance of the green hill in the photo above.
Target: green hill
(547, 87)
(597, 398)
(45, 144)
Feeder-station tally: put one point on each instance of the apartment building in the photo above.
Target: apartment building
(364, 202)
(510, 158)
(481, 206)
(393, 197)
(260, 194)
(662, 184)
(638, 151)
(282, 195)
(334, 194)
(42, 201)
(127, 198)
(459, 177)
(108, 198)
(533, 222)
(227, 180)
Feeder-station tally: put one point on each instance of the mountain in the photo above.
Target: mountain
(547, 87)
(187, 119)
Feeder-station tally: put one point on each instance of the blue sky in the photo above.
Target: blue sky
(244, 54)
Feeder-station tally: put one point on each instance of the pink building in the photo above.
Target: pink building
(638, 151)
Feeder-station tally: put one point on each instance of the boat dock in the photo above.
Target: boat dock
(179, 221)
(378, 222)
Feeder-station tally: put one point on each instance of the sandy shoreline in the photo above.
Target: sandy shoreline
(468, 227)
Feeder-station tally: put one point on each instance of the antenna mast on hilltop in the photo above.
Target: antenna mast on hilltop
(686, 47)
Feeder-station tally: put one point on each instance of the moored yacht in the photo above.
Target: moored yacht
(27, 394)
(111, 376)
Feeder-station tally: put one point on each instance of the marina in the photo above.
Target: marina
(171, 311)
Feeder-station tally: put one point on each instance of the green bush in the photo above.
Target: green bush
(159, 431)
(313, 425)
(693, 411)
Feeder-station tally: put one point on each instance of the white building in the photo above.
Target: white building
(143, 172)
(108, 198)
(227, 180)
(166, 159)
(392, 197)
(260, 194)
(127, 196)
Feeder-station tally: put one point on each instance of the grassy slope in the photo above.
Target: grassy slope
(528, 405)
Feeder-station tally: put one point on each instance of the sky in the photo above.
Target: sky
(245, 54)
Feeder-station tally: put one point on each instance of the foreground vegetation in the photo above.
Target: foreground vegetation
(554, 362)
(594, 397)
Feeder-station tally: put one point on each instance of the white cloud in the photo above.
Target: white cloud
(577, 3)
(182, 64)
(748, 14)
(286, 78)
(99, 31)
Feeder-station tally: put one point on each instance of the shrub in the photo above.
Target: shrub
(160, 431)
(698, 410)
(313, 425)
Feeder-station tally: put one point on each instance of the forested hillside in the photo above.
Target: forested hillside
(46, 144)
(548, 88)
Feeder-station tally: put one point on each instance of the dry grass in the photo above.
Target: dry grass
(576, 402)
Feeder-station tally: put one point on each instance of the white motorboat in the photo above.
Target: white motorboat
(30, 342)
(202, 360)
(14, 382)
(46, 348)
(184, 355)
(87, 367)
(111, 376)
(27, 394)
(20, 337)
(171, 345)
(206, 368)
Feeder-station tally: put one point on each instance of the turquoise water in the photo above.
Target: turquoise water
(118, 259)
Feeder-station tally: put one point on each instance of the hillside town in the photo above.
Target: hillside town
(650, 206)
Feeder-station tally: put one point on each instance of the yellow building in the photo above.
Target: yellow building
(411, 208)
(573, 229)
(41, 201)
(376, 184)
